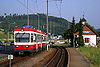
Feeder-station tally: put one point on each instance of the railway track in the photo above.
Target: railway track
(60, 58)
(18, 59)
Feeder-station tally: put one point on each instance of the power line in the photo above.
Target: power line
(38, 15)
(24, 5)
(59, 9)
(27, 14)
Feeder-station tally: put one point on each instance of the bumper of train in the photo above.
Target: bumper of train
(32, 48)
(25, 50)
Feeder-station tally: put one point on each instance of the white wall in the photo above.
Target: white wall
(92, 39)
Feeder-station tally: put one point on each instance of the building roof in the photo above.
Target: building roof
(87, 30)
(29, 29)
(83, 19)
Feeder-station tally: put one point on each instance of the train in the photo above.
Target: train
(27, 39)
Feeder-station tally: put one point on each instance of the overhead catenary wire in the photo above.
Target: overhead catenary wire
(27, 14)
(59, 10)
(24, 5)
(38, 15)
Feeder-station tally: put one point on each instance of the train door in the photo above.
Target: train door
(41, 40)
(36, 38)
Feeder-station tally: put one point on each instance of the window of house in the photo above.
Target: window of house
(86, 40)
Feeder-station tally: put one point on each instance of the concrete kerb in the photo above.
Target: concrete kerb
(68, 56)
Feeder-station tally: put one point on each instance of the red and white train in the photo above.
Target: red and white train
(29, 40)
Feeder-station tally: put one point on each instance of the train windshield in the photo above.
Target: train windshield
(22, 37)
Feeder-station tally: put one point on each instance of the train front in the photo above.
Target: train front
(22, 40)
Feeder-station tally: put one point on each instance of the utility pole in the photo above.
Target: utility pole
(47, 24)
(27, 14)
(47, 18)
(50, 27)
(38, 21)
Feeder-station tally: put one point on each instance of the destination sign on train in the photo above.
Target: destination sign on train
(86, 31)
(27, 27)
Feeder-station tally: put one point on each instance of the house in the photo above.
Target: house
(89, 35)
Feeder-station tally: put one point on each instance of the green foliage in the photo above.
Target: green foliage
(56, 25)
(73, 26)
(69, 33)
(80, 38)
(3, 35)
(93, 55)
(80, 41)
(98, 33)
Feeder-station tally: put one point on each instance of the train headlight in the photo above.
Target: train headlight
(17, 46)
(22, 30)
(27, 46)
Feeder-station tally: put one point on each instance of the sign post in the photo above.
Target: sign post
(74, 41)
(47, 47)
(9, 58)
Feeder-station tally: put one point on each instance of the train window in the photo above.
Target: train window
(44, 38)
(38, 38)
(22, 37)
(31, 37)
(41, 38)
(35, 37)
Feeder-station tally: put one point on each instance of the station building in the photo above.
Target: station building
(89, 35)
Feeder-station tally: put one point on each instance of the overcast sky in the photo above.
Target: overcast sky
(69, 8)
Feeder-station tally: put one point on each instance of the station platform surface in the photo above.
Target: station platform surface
(77, 59)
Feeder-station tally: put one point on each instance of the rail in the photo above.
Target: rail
(59, 59)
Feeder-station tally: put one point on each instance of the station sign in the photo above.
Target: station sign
(10, 56)
(27, 27)
(86, 31)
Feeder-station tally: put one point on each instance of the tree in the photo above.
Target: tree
(69, 34)
(73, 25)
(72, 30)
(80, 38)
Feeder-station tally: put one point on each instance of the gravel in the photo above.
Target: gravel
(38, 60)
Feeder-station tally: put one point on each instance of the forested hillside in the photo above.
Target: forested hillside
(56, 25)
(98, 31)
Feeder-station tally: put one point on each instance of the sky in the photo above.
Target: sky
(66, 9)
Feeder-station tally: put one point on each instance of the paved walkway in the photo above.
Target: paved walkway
(76, 59)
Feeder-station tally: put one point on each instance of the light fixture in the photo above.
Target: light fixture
(27, 46)
(17, 46)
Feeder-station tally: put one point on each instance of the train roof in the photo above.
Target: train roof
(28, 29)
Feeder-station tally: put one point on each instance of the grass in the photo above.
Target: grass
(2, 35)
(93, 55)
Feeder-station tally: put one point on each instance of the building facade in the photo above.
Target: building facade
(89, 34)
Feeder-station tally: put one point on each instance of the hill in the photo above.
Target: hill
(98, 30)
(3, 35)
(56, 25)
